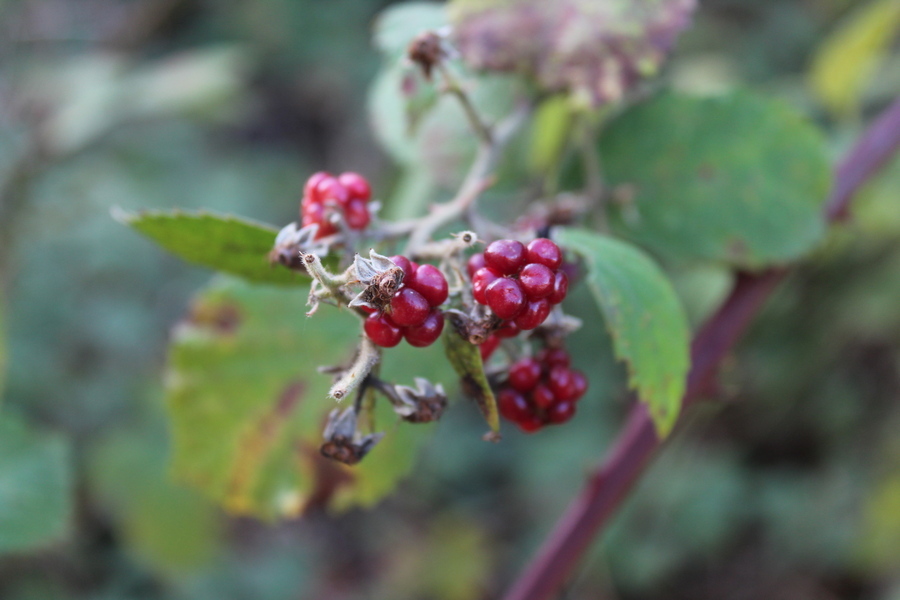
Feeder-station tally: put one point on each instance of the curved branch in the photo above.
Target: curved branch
(608, 485)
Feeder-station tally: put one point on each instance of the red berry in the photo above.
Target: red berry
(542, 396)
(536, 280)
(579, 385)
(524, 374)
(310, 190)
(560, 382)
(530, 424)
(480, 280)
(505, 298)
(356, 186)
(561, 412)
(544, 252)
(381, 331)
(405, 264)
(487, 348)
(513, 405)
(535, 313)
(430, 282)
(314, 212)
(560, 288)
(409, 308)
(330, 188)
(426, 333)
(552, 357)
(505, 256)
(476, 262)
(508, 330)
(356, 214)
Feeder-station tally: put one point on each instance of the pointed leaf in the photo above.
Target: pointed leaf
(738, 178)
(644, 317)
(466, 361)
(222, 242)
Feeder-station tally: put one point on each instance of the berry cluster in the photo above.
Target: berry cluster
(519, 283)
(541, 391)
(325, 195)
(412, 312)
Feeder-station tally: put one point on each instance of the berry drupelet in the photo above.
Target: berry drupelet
(541, 391)
(412, 312)
(325, 195)
(519, 283)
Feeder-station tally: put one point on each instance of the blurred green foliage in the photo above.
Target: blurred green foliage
(788, 490)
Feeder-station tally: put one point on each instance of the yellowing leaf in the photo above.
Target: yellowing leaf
(846, 61)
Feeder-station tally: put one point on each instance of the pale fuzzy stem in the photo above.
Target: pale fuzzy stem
(367, 357)
(332, 283)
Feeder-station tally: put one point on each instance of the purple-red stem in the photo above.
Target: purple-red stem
(608, 485)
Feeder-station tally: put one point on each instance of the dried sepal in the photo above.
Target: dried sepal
(343, 442)
(291, 242)
(424, 404)
(381, 278)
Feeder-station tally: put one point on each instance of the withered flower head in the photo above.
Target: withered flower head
(424, 404)
(291, 242)
(382, 278)
(343, 442)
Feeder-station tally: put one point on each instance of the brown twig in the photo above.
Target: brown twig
(608, 485)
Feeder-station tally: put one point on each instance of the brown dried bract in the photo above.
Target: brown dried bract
(383, 287)
(426, 50)
(343, 450)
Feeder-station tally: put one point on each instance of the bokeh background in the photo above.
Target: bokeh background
(789, 489)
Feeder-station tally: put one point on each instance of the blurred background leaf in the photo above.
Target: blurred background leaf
(844, 65)
(36, 486)
(738, 179)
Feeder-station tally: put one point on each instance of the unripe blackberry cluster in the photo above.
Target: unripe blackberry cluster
(324, 195)
(541, 391)
(412, 312)
(519, 283)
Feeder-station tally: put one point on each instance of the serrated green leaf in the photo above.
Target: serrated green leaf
(644, 317)
(846, 61)
(36, 486)
(222, 242)
(397, 25)
(466, 361)
(248, 407)
(739, 178)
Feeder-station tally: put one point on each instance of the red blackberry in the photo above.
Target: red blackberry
(541, 391)
(519, 282)
(325, 196)
(413, 309)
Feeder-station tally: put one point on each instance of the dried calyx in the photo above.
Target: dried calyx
(381, 278)
(343, 442)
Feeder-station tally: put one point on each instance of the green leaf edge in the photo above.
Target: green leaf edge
(573, 239)
(276, 275)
